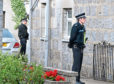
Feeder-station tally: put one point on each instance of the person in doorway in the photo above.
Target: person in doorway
(23, 35)
(77, 43)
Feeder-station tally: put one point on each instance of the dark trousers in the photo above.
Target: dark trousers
(77, 62)
(23, 42)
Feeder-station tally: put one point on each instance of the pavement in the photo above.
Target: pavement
(91, 81)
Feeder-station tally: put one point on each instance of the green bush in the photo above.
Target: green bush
(34, 74)
(13, 71)
(19, 11)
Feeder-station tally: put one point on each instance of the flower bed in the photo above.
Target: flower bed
(13, 71)
(33, 74)
(70, 76)
(52, 75)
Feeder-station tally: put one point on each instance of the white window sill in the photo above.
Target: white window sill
(43, 38)
(43, 1)
(66, 39)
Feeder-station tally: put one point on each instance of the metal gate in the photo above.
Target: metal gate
(103, 62)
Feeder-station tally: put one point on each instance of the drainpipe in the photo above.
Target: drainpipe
(29, 30)
(47, 47)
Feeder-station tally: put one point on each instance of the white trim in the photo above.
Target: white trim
(43, 38)
(42, 1)
(65, 40)
(47, 43)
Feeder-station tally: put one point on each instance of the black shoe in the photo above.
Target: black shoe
(79, 82)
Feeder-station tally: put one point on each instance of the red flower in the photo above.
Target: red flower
(53, 76)
(44, 76)
(54, 73)
(24, 69)
(31, 68)
(63, 79)
(25, 66)
(48, 74)
(59, 78)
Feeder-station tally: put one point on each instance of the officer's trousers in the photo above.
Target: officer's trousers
(77, 62)
(23, 42)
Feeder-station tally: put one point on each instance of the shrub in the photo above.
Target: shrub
(10, 69)
(34, 74)
(19, 11)
(14, 71)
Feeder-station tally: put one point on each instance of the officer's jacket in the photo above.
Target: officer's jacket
(77, 34)
(22, 32)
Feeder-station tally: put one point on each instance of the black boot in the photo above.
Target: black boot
(79, 82)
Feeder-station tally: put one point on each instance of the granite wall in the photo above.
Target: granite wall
(99, 26)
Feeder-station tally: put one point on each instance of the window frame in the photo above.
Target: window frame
(67, 36)
(43, 33)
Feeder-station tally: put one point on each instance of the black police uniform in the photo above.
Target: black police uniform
(23, 36)
(76, 42)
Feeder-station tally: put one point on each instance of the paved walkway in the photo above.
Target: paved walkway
(91, 81)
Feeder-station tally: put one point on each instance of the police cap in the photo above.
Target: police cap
(24, 19)
(82, 15)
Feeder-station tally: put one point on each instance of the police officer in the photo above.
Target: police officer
(77, 43)
(23, 35)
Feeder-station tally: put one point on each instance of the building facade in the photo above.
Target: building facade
(49, 40)
(1, 22)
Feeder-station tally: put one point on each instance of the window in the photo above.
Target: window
(4, 19)
(43, 22)
(67, 23)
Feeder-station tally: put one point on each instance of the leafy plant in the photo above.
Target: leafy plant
(34, 74)
(14, 70)
(11, 69)
(19, 11)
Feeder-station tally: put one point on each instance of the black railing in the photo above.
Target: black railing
(103, 62)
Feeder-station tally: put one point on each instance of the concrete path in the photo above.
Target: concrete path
(91, 81)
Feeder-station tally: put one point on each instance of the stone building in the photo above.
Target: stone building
(60, 16)
(1, 21)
